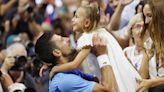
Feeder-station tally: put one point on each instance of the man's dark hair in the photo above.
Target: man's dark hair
(44, 48)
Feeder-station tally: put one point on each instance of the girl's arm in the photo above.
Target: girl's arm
(72, 65)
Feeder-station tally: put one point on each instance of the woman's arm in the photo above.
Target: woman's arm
(150, 83)
(157, 82)
(115, 20)
(144, 69)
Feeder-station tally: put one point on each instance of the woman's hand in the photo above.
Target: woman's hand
(144, 85)
(125, 2)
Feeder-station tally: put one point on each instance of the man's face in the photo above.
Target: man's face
(114, 4)
(63, 44)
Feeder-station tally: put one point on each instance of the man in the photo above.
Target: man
(55, 50)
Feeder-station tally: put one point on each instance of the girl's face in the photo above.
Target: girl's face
(78, 21)
(147, 13)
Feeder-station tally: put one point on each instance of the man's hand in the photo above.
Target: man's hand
(104, 18)
(9, 62)
(99, 45)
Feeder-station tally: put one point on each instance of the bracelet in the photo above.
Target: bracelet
(103, 60)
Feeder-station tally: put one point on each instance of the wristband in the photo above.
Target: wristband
(103, 60)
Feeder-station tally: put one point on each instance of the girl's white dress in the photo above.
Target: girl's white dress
(124, 72)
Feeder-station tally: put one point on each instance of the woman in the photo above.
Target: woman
(154, 15)
(134, 53)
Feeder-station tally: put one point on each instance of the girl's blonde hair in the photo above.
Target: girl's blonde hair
(93, 13)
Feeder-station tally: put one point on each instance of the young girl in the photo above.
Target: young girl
(86, 19)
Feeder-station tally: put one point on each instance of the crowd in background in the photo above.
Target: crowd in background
(22, 22)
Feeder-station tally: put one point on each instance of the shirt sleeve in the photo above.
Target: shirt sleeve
(84, 40)
(70, 83)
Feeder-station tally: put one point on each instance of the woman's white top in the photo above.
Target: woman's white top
(125, 73)
(135, 58)
(155, 71)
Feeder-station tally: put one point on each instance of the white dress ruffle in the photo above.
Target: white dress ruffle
(85, 40)
(124, 72)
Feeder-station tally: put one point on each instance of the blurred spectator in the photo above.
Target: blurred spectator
(17, 72)
(58, 27)
(5, 6)
(139, 7)
(134, 52)
(17, 87)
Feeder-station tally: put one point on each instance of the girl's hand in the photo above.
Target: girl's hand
(144, 85)
(52, 72)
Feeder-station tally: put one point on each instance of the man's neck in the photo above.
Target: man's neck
(62, 60)
(67, 58)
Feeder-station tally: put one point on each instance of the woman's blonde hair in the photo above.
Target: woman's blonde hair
(137, 18)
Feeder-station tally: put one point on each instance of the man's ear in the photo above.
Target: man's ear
(56, 53)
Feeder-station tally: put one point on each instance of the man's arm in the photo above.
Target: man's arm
(108, 81)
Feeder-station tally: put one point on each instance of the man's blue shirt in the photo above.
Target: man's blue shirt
(67, 82)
